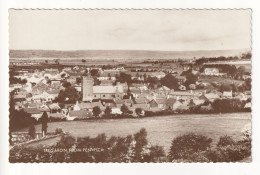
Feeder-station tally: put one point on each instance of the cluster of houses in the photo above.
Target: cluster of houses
(42, 87)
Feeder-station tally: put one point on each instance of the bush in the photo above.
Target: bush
(183, 146)
(225, 141)
(228, 150)
(32, 131)
(227, 105)
(156, 153)
(198, 157)
(58, 131)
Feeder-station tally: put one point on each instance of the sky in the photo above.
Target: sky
(166, 30)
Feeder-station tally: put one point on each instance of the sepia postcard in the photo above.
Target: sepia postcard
(129, 86)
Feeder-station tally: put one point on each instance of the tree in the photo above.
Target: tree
(227, 105)
(78, 80)
(44, 120)
(241, 69)
(18, 119)
(156, 153)
(85, 73)
(145, 77)
(23, 81)
(46, 61)
(170, 81)
(32, 131)
(83, 60)
(57, 61)
(63, 75)
(96, 81)
(138, 111)
(141, 141)
(183, 146)
(153, 82)
(66, 84)
(191, 79)
(123, 77)
(125, 110)
(107, 112)
(225, 141)
(234, 88)
(248, 84)
(69, 95)
(94, 72)
(96, 111)
(225, 87)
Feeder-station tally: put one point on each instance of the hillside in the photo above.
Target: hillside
(122, 54)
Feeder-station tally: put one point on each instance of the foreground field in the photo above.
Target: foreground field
(161, 130)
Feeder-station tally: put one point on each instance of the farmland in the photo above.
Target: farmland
(161, 130)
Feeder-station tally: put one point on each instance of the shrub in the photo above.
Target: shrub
(58, 131)
(32, 131)
(228, 150)
(198, 157)
(156, 153)
(225, 141)
(183, 146)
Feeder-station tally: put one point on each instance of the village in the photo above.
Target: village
(126, 90)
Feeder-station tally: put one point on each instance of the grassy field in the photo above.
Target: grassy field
(161, 130)
(220, 80)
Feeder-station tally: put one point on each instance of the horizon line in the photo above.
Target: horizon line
(127, 50)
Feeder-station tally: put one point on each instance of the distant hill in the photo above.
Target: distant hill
(122, 54)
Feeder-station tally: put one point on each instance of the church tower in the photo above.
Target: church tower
(87, 88)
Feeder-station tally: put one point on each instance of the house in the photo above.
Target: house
(72, 79)
(54, 107)
(44, 107)
(206, 108)
(57, 116)
(241, 97)
(99, 104)
(79, 114)
(108, 75)
(157, 103)
(209, 96)
(181, 79)
(181, 107)
(177, 105)
(153, 104)
(183, 95)
(19, 98)
(141, 101)
(119, 103)
(163, 90)
(106, 82)
(244, 77)
(227, 94)
(169, 103)
(182, 88)
(128, 102)
(116, 111)
(248, 105)
(143, 106)
(49, 96)
(135, 91)
(158, 75)
(34, 112)
(196, 102)
(142, 87)
(212, 71)
(14, 86)
(192, 86)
